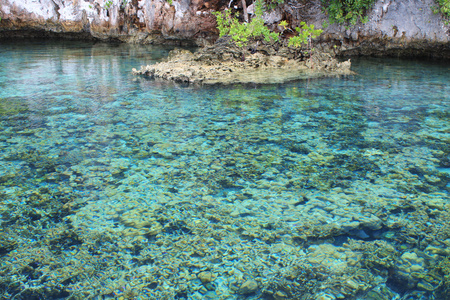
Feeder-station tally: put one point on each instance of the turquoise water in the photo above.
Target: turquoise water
(117, 187)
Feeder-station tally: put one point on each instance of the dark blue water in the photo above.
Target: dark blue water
(112, 185)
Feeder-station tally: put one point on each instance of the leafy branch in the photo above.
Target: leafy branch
(305, 35)
(107, 4)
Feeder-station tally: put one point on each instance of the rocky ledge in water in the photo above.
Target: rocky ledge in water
(225, 63)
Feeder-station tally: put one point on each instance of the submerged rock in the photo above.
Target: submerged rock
(226, 64)
(248, 287)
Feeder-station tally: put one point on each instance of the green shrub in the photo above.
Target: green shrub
(348, 11)
(444, 8)
(242, 32)
(305, 34)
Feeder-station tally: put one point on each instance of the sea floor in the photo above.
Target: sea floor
(117, 187)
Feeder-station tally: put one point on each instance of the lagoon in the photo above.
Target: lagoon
(113, 186)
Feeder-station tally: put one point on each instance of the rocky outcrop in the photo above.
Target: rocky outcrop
(395, 28)
(226, 64)
(406, 28)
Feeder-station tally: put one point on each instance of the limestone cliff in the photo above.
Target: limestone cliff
(403, 28)
(144, 21)
(395, 28)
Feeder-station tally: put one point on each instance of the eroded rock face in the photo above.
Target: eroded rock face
(395, 28)
(145, 21)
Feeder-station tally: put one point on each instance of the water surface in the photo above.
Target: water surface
(114, 186)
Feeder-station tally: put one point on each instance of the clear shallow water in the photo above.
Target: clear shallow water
(115, 186)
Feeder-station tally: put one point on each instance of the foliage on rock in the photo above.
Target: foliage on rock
(108, 4)
(444, 8)
(241, 33)
(347, 11)
(305, 34)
